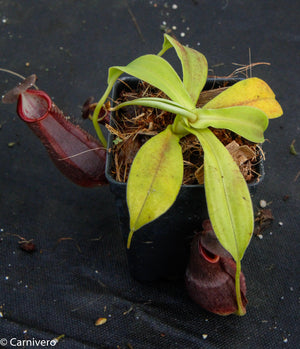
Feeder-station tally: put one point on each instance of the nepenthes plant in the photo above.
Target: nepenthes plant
(156, 173)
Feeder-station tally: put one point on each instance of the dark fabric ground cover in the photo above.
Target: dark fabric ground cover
(64, 287)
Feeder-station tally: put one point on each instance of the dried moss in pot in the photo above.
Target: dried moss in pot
(134, 125)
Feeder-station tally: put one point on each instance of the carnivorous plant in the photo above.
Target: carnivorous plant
(157, 170)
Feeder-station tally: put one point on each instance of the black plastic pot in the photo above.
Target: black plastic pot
(160, 249)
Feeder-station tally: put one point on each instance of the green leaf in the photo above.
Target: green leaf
(150, 68)
(160, 103)
(194, 66)
(248, 122)
(228, 199)
(154, 180)
(252, 92)
(157, 72)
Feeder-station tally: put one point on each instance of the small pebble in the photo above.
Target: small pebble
(182, 34)
(260, 236)
(285, 340)
(263, 203)
(204, 336)
(280, 223)
(174, 7)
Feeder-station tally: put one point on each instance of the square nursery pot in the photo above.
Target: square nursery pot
(160, 249)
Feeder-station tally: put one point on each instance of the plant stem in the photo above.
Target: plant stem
(240, 311)
(97, 111)
(129, 238)
(160, 103)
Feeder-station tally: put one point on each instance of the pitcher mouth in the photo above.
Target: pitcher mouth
(207, 255)
(33, 105)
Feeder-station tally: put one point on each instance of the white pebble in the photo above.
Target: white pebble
(182, 34)
(204, 336)
(174, 27)
(174, 7)
(263, 203)
(280, 223)
(260, 236)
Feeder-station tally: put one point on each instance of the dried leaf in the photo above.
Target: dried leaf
(292, 148)
(263, 220)
(240, 154)
(100, 321)
(199, 174)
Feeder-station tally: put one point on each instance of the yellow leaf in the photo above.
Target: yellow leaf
(154, 180)
(252, 92)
